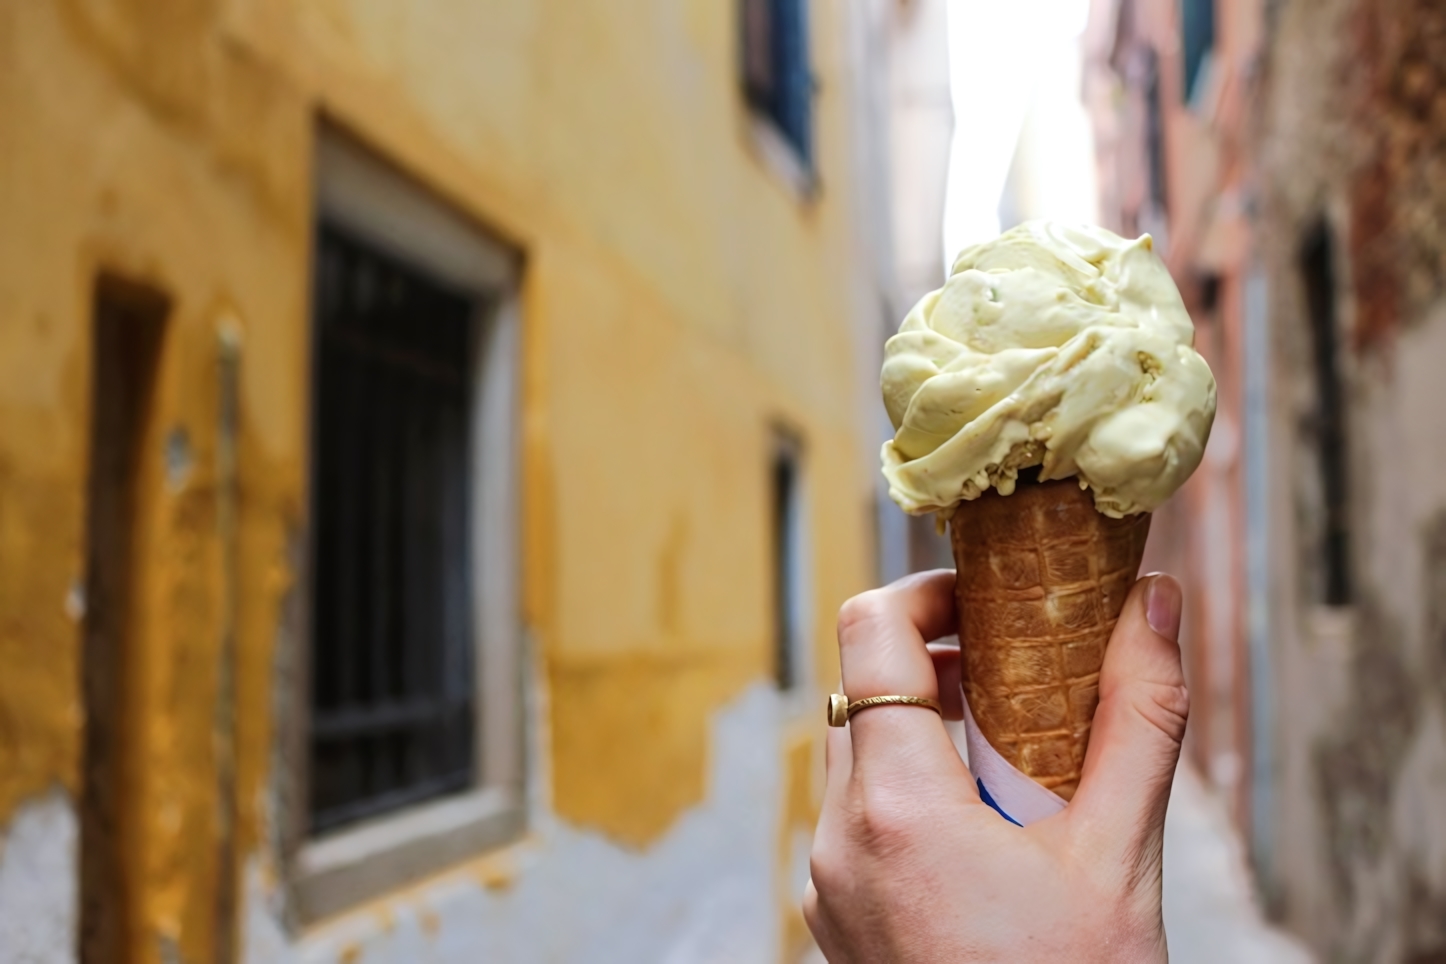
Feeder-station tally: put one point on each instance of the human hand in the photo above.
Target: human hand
(910, 866)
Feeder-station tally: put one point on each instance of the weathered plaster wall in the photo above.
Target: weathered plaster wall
(127, 152)
(37, 881)
(1314, 110)
(566, 894)
(1351, 132)
(678, 299)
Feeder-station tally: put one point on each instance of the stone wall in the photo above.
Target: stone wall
(1323, 124)
(1351, 139)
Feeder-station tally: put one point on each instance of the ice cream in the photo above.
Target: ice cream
(1060, 346)
(1066, 348)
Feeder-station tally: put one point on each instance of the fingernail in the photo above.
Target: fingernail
(1163, 602)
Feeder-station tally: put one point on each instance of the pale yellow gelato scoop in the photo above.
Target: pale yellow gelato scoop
(1061, 346)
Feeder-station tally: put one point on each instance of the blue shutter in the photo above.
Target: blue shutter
(794, 105)
(1197, 25)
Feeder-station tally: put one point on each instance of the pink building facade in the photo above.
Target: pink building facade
(1289, 157)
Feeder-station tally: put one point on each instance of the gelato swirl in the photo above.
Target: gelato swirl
(1059, 346)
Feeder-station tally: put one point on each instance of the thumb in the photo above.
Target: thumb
(1135, 739)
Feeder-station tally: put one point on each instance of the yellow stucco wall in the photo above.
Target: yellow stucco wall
(678, 301)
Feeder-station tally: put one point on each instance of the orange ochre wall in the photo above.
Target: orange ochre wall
(679, 300)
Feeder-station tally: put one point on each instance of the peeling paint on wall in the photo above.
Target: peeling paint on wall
(172, 144)
(1397, 79)
(621, 904)
(1357, 766)
(1352, 94)
(263, 933)
(647, 701)
(38, 882)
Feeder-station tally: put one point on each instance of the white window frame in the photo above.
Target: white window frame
(777, 155)
(342, 868)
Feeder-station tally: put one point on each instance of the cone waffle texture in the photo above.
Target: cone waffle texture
(1042, 579)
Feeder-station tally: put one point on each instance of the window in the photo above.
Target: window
(790, 570)
(128, 331)
(1197, 29)
(1209, 297)
(777, 81)
(392, 697)
(1155, 133)
(414, 729)
(1318, 277)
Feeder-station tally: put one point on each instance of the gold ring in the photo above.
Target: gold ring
(840, 709)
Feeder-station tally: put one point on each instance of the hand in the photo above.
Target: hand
(909, 866)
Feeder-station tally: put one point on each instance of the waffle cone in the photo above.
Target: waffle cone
(1042, 577)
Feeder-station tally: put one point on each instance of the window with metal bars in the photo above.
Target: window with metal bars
(777, 80)
(393, 719)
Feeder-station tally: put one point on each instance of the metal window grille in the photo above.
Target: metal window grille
(777, 81)
(1197, 28)
(392, 688)
(1318, 275)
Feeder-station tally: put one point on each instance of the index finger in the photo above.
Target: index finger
(882, 652)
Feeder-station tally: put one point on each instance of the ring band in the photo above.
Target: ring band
(840, 709)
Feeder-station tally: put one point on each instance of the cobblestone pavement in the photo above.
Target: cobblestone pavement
(1210, 909)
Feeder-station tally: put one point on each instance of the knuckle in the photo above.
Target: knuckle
(861, 610)
(810, 911)
(1169, 708)
(887, 820)
(1177, 700)
(828, 858)
(826, 870)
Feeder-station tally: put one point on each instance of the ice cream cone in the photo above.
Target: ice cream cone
(1042, 577)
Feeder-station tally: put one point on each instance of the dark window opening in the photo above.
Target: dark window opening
(777, 81)
(1318, 276)
(392, 705)
(787, 571)
(128, 325)
(1197, 28)
(1209, 295)
(1155, 131)
(1209, 333)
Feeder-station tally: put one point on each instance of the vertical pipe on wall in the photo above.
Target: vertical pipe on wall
(228, 357)
(1257, 571)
